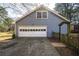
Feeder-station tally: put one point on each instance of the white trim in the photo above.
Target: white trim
(42, 14)
(32, 25)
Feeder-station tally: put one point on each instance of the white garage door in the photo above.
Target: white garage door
(32, 31)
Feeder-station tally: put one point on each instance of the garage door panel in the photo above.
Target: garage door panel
(39, 34)
(32, 32)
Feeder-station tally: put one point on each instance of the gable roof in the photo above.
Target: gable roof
(54, 12)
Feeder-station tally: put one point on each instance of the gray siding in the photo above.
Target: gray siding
(64, 29)
(52, 23)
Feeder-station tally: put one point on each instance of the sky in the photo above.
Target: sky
(14, 15)
(51, 2)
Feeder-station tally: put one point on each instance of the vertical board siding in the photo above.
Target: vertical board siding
(52, 22)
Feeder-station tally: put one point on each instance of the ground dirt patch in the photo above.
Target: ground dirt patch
(61, 47)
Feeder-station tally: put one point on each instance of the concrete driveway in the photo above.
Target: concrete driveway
(30, 47)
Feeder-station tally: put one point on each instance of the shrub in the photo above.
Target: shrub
(55, 34)
(13, 36)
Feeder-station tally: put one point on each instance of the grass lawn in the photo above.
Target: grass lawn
(5, 35)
